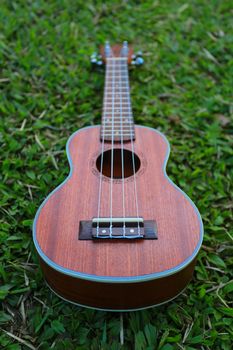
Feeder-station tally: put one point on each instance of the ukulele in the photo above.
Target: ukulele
(117, 234)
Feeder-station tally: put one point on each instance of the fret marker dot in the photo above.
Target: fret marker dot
(131, 231)
(104, 231)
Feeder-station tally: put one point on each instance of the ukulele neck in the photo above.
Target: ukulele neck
(117, 119)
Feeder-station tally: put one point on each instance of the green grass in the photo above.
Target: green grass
(48, 90)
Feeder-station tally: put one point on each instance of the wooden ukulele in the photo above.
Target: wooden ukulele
(117, 234)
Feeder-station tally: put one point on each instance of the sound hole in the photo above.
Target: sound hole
(117, 163)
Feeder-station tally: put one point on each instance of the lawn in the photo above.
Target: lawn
(49, 90)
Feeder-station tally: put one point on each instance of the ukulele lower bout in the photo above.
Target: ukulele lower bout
(117, 274)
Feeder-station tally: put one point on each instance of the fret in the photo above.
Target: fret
(117, 112)
(109, 114)
(124, 125)
(117, 96)
(114, 131)
(106, 97)
(122, 95)
(117, 104)
(117, 71)
(110, 84)
(127, 114)
(122, 91)
(112, 94)
(117, 134)
(117, 125)
(119, 74)
(118, 82)
(117, 89)
(111, 109)
(118, 116)
(117, 108)
(106, 106)
(117, 101)
(120, 120)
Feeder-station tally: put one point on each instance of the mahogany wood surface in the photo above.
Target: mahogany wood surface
(117, 296)
(57, 225)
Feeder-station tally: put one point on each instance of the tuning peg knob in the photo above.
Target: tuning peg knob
(139, 61)
(93, 58)
(96, 60)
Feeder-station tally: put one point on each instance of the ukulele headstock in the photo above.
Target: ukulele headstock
(123, 50)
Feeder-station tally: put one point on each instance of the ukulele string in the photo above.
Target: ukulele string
(112, 150)
(122, 150)
(102, 149)
(132, 149)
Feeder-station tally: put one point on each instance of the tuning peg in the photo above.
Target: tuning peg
(137, 59)
(125, 49)
(96, 59)
(107, 49)
(93, 58)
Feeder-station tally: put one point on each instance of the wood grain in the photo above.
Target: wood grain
(58, 221)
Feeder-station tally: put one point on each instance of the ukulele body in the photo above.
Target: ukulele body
(117, 274)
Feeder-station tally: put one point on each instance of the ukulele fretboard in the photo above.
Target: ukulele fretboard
(117, 119)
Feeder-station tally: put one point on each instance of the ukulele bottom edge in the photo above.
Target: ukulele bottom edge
(117, 296)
